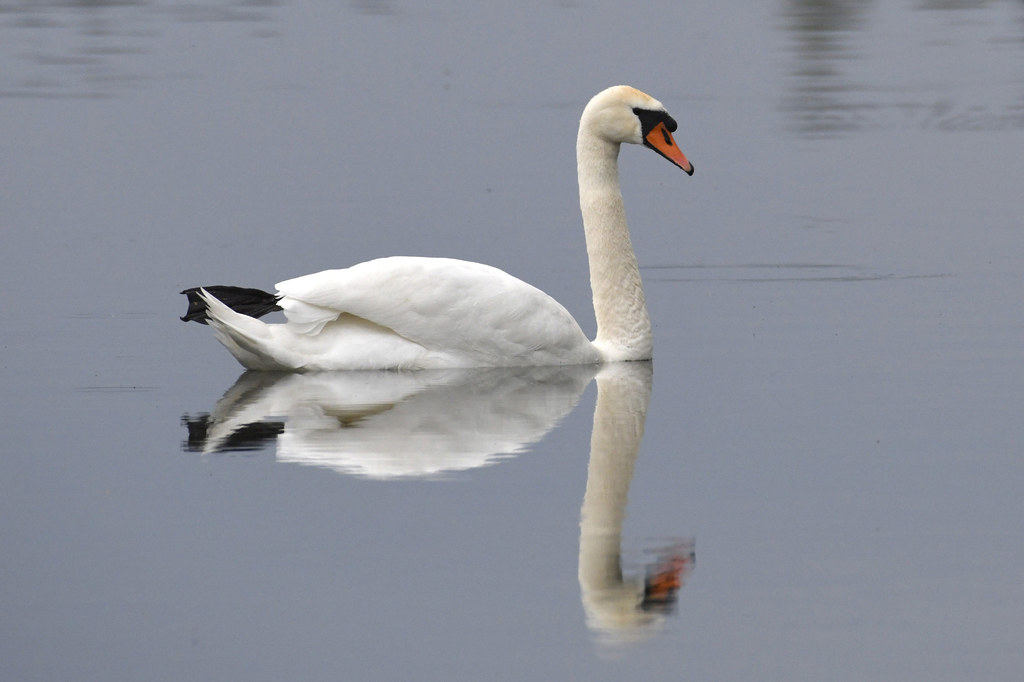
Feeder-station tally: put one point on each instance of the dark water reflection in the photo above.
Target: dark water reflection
(823, 34)
(844, 73)
(95, 48)
(852, 68)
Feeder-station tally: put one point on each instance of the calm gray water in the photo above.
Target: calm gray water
(831, 459)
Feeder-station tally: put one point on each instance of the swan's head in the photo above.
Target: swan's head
(624, 114)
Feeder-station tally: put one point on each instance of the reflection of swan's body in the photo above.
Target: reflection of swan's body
(416, 313)
(394, 424)
(616, 608)
(433, 422)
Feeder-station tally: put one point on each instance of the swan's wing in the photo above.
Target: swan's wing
(440, 303)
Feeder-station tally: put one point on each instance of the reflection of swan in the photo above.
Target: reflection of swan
(392, 424)
(617, 609)
(409, 313)
(428, 423)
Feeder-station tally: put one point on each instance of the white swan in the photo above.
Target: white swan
(417, 313)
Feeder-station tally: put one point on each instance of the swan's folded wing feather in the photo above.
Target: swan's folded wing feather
(306, 318)
(436, 302)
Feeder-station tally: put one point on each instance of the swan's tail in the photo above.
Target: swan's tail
(251, 302)
(248, 339)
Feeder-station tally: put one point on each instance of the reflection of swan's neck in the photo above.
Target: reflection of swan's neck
(623, 394)
(623, 327)
(619, 416)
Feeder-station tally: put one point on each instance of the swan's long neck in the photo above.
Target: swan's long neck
(623, 327)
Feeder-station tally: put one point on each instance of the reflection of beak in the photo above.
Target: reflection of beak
(665, 578)
(660, 140)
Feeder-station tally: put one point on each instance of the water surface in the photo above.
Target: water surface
(822, 465)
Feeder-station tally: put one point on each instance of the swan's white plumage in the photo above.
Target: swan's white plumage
(410, 312)
(406, 312)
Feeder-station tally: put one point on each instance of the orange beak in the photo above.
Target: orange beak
(660, 140)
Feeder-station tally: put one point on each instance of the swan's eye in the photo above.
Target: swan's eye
(649, 119)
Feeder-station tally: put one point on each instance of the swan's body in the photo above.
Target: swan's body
(412, 313)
